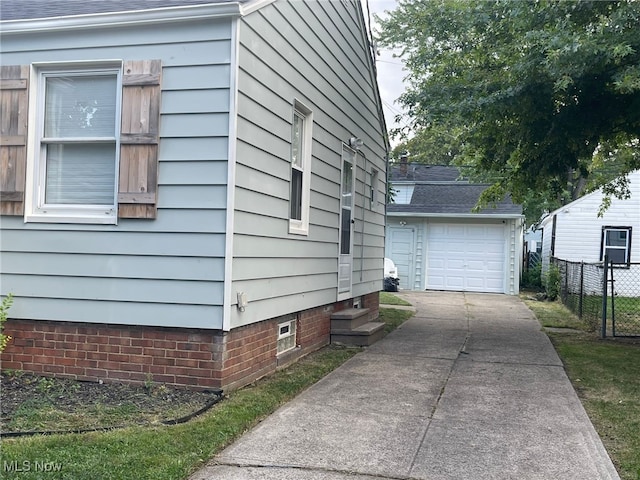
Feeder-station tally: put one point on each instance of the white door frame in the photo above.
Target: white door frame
(347, 220)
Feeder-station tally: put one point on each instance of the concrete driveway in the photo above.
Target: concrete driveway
(469, 388)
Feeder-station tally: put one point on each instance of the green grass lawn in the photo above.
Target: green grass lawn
(174, 452)
(606, 376)
(169, 452)
(393, 318)
(387, 298)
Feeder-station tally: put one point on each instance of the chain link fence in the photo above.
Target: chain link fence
(614, 310)
(581, 289)
(624, 299)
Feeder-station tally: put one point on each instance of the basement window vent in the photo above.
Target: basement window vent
(286, 336)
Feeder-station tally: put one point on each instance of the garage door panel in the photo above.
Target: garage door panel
(438, 264)
(438, 282)
(476, 265)
(454, 283)
(475, 282)
(466, 257)
(495, 267)
(454, 264)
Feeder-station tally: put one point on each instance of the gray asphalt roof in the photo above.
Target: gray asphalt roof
(417, 172)
(32, 9)
(455, 198)
(441, 190)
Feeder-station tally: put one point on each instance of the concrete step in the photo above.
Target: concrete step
(361, 336)
(350, 318)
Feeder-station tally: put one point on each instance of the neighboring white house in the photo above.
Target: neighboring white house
(438, 243)
(576, 233)
(190, 188)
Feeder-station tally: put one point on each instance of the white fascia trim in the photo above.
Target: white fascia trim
(231, 174)
(109, 19)
(472, 216)
(247, 8)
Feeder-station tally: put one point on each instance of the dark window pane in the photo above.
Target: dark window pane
(345, 232)
(617, 255)
(296, 194)
(616, 238)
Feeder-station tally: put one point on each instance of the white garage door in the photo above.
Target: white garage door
(468, 258)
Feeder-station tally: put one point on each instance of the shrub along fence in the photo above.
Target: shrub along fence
(607, 299)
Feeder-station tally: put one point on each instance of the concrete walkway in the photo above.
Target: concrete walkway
(469, 388)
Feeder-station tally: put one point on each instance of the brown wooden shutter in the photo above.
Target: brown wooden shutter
(138, 183)
(14, 105)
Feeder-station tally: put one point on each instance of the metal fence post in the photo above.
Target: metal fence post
(603, 334)
(613, 300)
(581, 289)
(566, 282)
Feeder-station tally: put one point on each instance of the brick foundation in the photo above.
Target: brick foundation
(175, 356)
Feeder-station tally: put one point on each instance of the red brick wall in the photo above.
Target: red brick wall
(113, 352)
(251, 351)
(175, 356)
(372, 301)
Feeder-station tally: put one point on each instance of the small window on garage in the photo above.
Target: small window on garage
(403, 194)
(286, 335)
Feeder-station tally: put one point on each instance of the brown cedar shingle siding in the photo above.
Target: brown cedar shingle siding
(14, 102)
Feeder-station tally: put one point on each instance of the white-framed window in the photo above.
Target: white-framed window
(301, 139)
(616, 244)
(72, 173)
(286, 335)
(403, 194)
(373, 192)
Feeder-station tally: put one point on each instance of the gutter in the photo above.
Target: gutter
(113, 19)
(509, 216)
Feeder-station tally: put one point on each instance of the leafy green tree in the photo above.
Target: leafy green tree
(545, 94)
(434, 145)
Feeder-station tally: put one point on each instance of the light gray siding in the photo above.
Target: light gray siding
(165, 272)
(312, 52)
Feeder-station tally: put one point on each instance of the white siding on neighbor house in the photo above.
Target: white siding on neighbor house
(579, 229)
(312, 52)
(165, 272)
(545, 252)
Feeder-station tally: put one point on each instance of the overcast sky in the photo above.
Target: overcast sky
(390, 71)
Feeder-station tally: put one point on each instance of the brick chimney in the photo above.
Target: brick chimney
(403, 163)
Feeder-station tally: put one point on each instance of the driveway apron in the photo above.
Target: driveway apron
(469, 388)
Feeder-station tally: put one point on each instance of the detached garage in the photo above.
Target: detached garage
(437, 243)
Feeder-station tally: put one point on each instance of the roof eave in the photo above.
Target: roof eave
(135, 17)
(456, 215)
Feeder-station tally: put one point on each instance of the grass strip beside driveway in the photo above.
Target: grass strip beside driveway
(166, 452)
(170, 452)
(606, 376)
(387, 298)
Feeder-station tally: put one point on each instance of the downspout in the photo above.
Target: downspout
(231, 174)
(364, 205)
